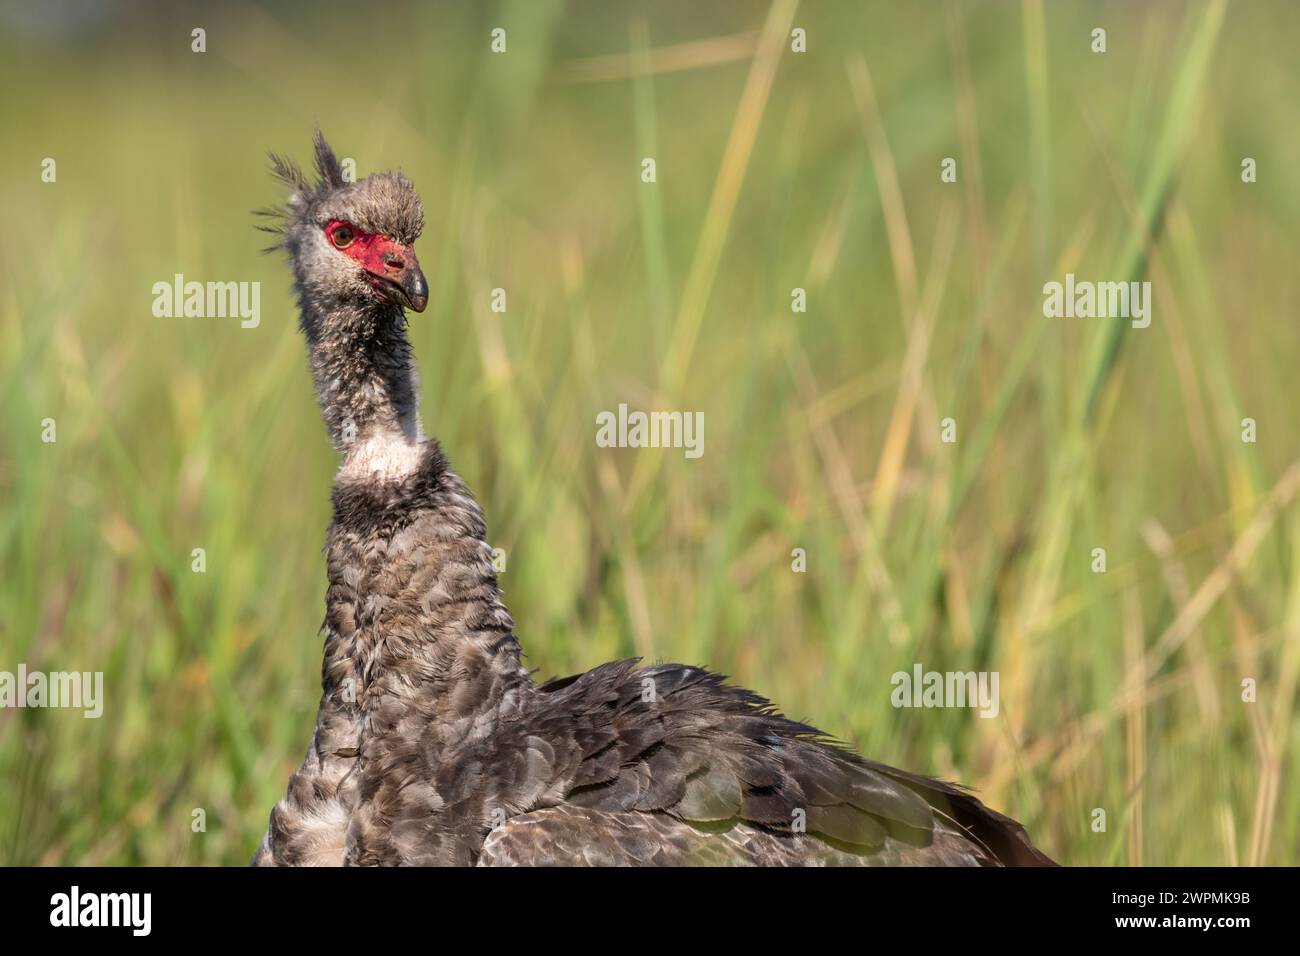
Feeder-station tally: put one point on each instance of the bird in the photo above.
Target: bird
(433, 744)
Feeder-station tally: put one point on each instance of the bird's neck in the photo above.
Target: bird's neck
(420, 651)
(367, 389)
(407, 551)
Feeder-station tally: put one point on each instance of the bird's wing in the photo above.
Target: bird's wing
(580, 836)
(676, 743)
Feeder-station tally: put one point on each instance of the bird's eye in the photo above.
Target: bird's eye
(342, 237)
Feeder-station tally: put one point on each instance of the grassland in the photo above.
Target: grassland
(775, 170)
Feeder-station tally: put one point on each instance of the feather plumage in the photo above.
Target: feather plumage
(433, 745)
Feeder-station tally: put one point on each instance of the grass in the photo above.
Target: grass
(1120, 691)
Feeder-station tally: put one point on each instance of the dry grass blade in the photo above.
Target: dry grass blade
(694, 55)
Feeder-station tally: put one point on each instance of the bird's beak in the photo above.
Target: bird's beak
(414, 288)
(395, 272)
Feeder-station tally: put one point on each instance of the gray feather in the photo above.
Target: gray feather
(433, 745)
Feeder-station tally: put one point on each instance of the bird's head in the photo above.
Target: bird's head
(351, 242)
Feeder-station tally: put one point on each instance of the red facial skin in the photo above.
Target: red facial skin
(380, 256)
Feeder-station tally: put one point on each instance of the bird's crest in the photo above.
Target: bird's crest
(327, 166)
(383, 202)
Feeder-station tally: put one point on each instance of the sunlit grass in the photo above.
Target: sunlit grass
(1120, 691)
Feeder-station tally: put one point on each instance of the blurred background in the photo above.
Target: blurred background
(775, 170)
